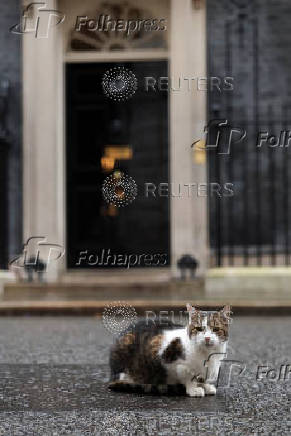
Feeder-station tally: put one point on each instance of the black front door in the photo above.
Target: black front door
(106, 138)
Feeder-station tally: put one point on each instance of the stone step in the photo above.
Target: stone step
(121, 290)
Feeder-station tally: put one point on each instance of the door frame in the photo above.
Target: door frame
(114, 57)
(44, 210)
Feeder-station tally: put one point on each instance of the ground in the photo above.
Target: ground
(54, 373)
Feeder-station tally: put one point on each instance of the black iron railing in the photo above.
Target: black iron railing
(252, 227)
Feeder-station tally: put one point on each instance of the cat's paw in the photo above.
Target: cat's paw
(209, 389)
(193, 391)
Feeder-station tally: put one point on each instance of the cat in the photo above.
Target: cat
(152, 357)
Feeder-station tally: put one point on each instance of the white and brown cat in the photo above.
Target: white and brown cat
(157, 358)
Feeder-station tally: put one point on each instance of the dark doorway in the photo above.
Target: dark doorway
(105, 136)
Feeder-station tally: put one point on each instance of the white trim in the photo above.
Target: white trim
(103, 56)
(61, 148)
(187, 121)
(43, 197)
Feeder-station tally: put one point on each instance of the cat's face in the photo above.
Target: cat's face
(208, 328)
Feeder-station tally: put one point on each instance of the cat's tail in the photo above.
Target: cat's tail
(124, 386)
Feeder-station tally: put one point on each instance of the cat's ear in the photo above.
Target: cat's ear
(190, 308)
(226, 311)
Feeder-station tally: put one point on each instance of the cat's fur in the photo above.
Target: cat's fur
(153, 357)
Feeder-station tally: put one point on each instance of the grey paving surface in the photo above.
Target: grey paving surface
(53, 374)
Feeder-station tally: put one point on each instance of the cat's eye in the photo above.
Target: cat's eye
(199, 329)
(216, 329)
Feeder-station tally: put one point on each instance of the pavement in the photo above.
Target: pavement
(54, 372)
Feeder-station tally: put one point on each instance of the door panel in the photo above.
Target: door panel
(95, 122)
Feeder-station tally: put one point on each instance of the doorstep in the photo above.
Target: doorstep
(258, 291)
(120, 289)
